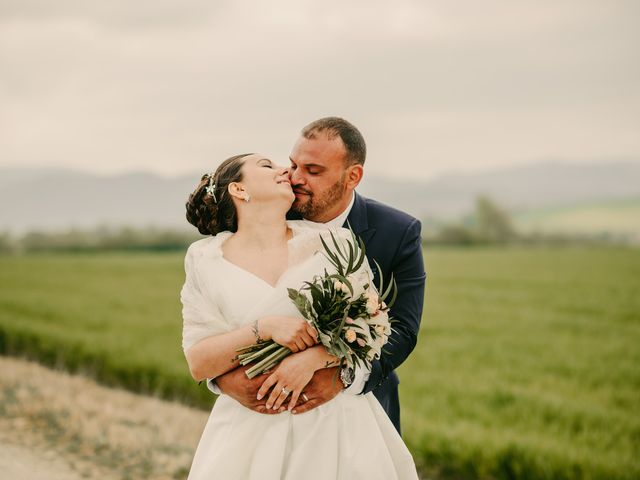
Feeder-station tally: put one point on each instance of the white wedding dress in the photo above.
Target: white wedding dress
(349, 437)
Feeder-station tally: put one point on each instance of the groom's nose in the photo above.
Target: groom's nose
(294, 177)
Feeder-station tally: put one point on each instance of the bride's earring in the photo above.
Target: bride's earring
(247, 198)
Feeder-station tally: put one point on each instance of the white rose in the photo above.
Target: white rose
(382, 326)
(376, 348)
(372, 303)
(339, 286)
(380, 318)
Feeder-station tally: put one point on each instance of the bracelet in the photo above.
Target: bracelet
(254, 329)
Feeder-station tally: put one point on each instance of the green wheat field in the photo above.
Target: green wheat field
(527, 365)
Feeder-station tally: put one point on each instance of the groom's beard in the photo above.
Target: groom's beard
(314, 206)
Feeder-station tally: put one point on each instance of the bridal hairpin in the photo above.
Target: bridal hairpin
(211, 188)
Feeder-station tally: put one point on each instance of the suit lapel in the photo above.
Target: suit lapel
(358, 220)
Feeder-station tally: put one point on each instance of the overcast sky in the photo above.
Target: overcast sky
(434, 86)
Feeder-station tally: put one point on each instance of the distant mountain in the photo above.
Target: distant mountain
(53, 199)
(529, 187)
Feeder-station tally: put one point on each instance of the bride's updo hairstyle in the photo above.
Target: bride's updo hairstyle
(210, 207)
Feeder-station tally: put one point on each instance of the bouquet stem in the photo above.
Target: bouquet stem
(254, 354)
(256, 370)
(268, 357)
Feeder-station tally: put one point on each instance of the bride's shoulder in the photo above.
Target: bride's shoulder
(208, 246)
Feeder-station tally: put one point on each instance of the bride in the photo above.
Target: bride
(235, 294)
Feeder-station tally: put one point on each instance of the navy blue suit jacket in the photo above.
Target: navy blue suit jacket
(393, 239)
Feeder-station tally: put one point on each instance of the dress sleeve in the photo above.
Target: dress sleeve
(201, 316)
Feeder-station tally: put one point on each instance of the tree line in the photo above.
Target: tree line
(488, 224)
(98, 239)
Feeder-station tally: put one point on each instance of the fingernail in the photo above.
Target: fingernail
(282, 409)
(293, 411)
(259, 397)
(268, 406)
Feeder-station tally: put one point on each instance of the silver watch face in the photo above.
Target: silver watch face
(347, 375)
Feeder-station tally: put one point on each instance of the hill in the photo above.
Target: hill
(617, 217)
(54, 199)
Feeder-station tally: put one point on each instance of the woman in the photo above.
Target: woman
(235, 294)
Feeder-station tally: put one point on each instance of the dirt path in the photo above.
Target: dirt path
(57, 426)
(24, 463)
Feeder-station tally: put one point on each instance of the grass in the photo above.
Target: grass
(113, 316)
(527, 365)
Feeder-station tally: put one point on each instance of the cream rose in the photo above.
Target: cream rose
(350, 335)
(364, 331)
(373, 303)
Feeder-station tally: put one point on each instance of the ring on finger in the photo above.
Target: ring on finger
(285, 391)
(305, 398)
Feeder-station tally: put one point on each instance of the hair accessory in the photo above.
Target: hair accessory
(211, 188)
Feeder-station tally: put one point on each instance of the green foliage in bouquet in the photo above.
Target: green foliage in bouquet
(350, 317)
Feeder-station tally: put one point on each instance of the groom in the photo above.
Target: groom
(326, 166)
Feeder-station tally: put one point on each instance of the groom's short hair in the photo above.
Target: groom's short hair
(351, 137)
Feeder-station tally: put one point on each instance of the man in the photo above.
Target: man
(326, 166)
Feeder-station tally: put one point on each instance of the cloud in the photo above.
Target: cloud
(169, 86)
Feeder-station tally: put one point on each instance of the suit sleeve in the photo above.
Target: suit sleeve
(408, 270)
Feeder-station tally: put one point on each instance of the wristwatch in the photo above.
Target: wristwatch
(347, 376)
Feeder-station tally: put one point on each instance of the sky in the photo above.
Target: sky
(434, 86)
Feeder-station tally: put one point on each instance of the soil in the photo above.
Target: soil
(58, 426)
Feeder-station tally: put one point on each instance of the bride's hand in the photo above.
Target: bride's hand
(291, 376)
(294, 333)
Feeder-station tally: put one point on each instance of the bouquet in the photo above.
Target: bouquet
(351, 318)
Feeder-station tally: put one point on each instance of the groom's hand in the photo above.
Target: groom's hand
(324, 386)
(244, 390)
